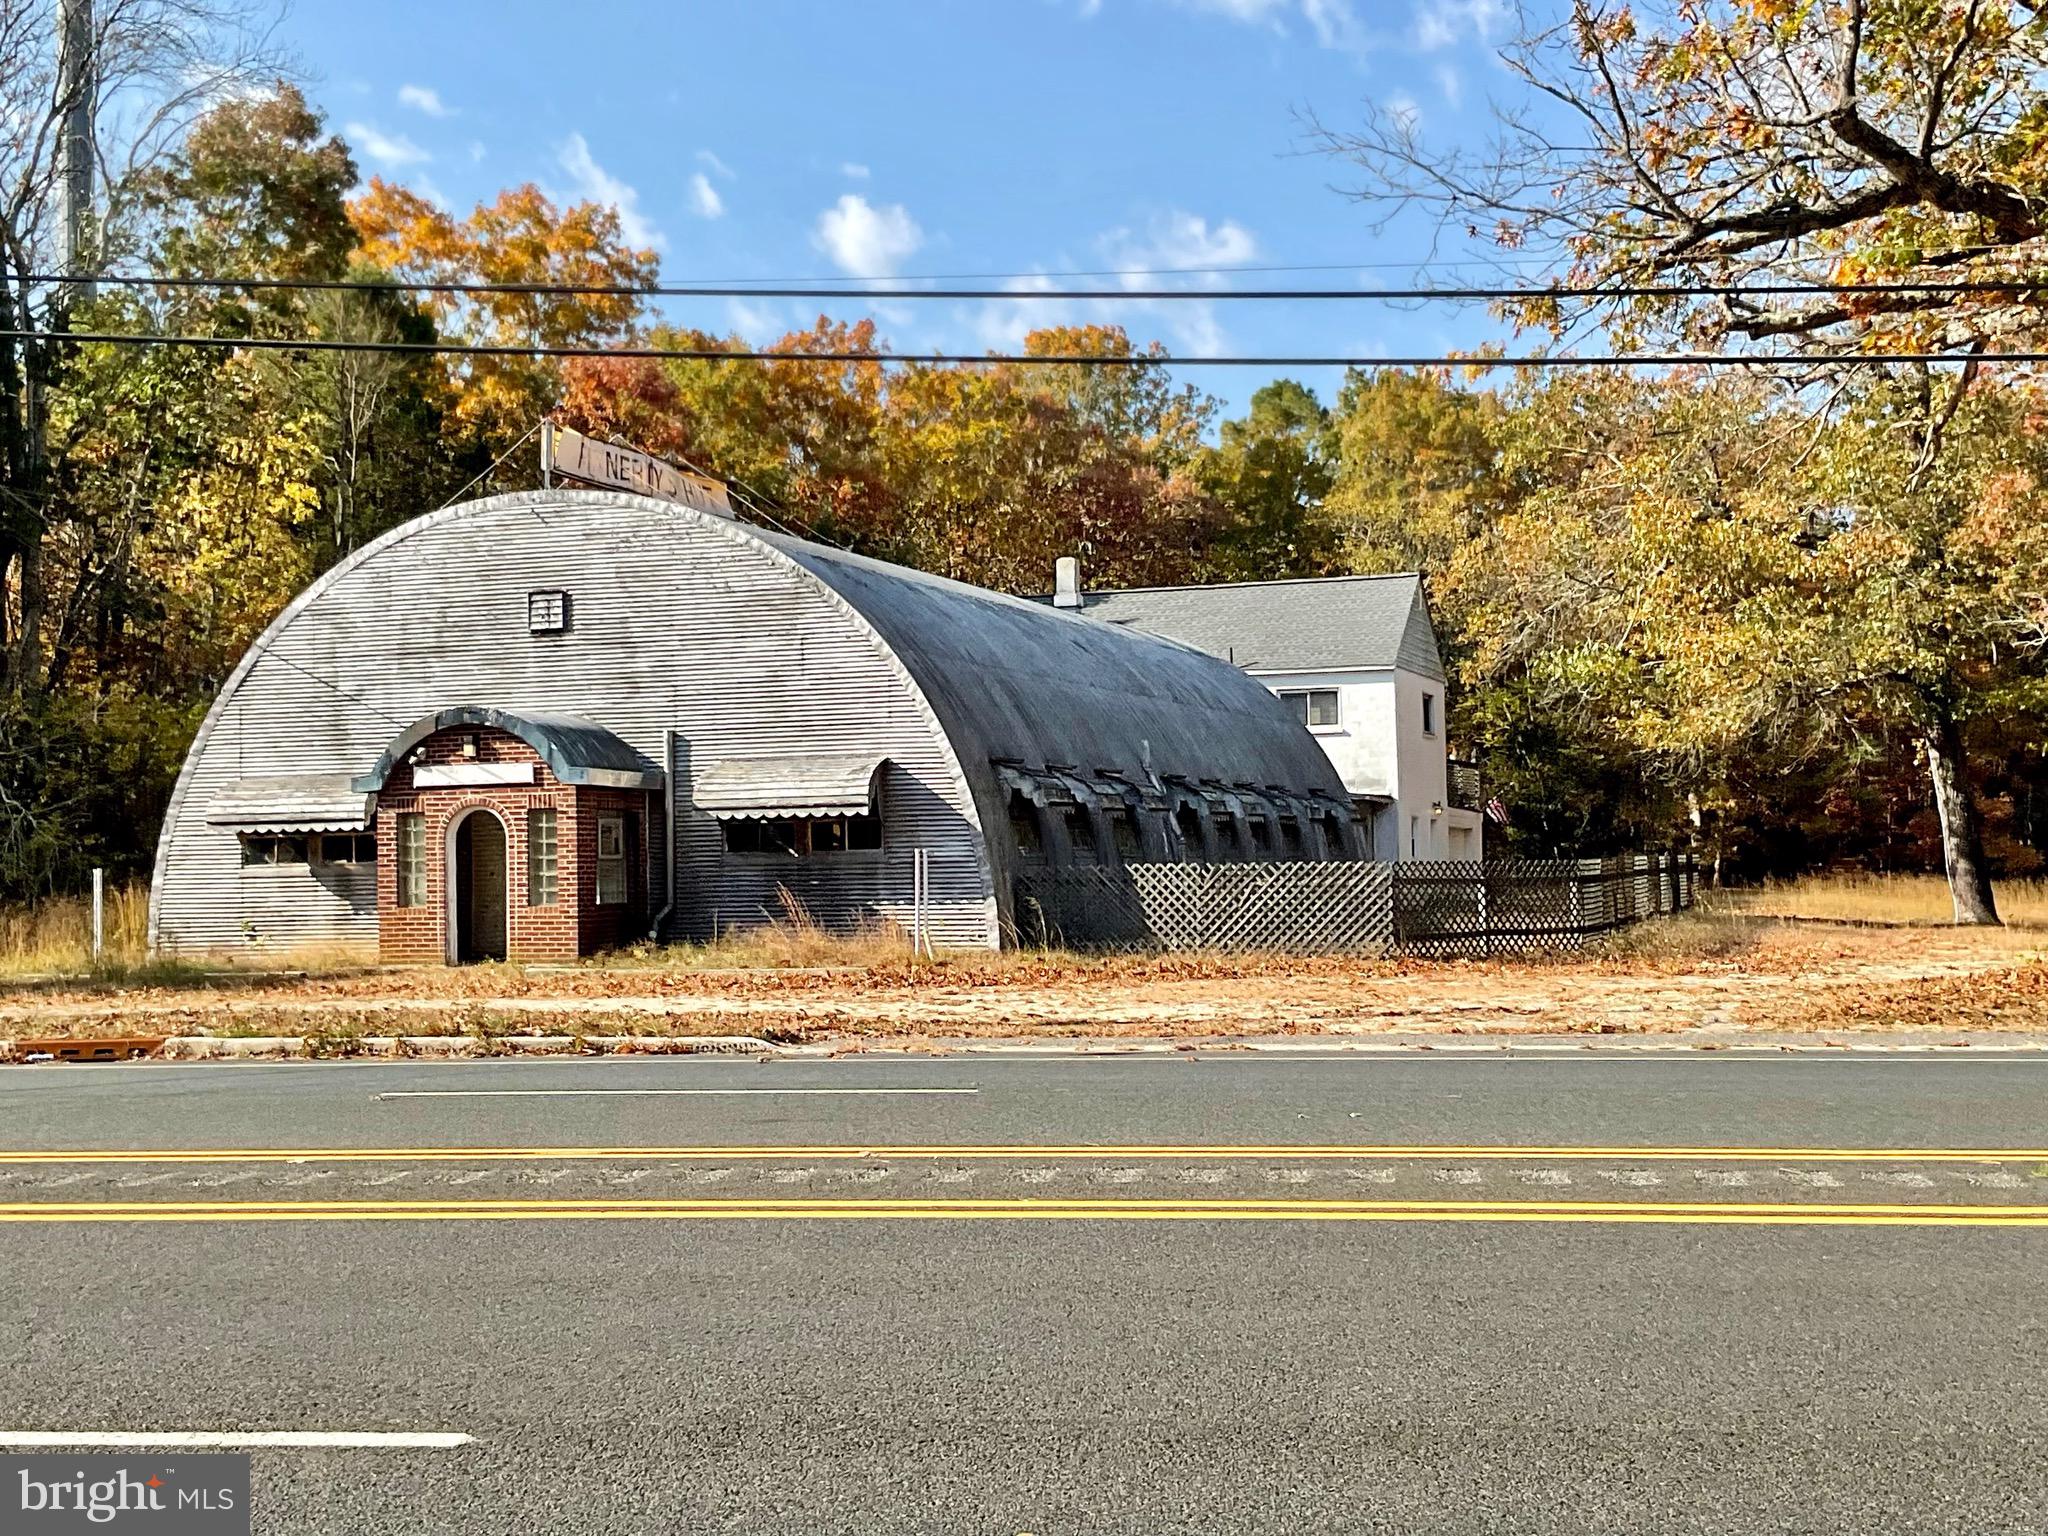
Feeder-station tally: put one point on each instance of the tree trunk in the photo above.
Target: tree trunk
(1962, 832)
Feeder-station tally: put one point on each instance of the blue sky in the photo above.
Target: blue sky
(1027, 138)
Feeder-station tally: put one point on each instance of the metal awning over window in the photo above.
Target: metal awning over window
(820, 784)
(292, 802)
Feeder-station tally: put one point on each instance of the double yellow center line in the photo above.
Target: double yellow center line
(1626, 1212)
(1050, 1207)
(1024, 1151)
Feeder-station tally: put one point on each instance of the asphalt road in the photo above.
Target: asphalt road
(1503, 1294)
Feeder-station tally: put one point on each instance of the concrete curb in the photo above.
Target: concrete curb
(230, 1048)
(440, 1047)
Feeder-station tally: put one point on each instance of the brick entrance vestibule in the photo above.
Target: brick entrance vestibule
(490, 852)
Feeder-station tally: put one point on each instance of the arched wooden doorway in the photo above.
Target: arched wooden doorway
(479, 888)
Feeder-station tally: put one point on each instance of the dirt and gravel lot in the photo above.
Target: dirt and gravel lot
(1706, 974)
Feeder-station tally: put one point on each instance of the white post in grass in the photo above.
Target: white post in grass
(99, 912)
(920, 903)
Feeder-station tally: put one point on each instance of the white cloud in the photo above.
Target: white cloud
(476, 151)
(424, 98)
(1180, 241)
(707, 158)
(594, 182)
(1169, 245)
(1405, 112)
(866, 241)
(854, 169)
(762, 324)
(1447, 23)
(1243, 10)
(389, 149)
(704, 199)
(1451, 85)
(1334, 23)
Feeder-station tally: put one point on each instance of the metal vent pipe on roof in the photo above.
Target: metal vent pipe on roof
(1066, 582)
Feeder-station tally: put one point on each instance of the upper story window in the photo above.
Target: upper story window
(1316, 708)
(1429, 714)
(547, 612)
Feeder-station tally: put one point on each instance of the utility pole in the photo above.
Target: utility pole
(77, 94)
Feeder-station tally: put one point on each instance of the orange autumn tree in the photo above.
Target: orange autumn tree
(521, 238)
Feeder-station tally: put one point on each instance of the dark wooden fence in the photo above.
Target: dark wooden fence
(1434, 907)
(1508, 906)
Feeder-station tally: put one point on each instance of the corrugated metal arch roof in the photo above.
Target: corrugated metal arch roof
(1308, 624)
(1016, 680)
(575, 750)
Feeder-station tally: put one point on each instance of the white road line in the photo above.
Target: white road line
(1811, 1178)
(1555, 1177)
(1635, 1178)
(659, 1093)
(261, 1439)
(1905, 1180)
(1457, 1175)
(1992, 1180)
(1727, 1178)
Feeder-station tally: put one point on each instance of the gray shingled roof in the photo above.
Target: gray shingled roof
(1334, 623)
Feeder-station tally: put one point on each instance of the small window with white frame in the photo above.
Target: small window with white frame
(547, 612)
(1429, 714)
(611, 861)
(1316, 708)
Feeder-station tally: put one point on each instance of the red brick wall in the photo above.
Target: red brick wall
(574, 924)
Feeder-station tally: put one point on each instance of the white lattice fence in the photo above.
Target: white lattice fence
(1300, 908)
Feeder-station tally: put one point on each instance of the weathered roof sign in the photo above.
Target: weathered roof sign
(573, 456)
(818, 784)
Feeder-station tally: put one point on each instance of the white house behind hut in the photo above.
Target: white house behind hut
(1356, 659)
(541, 724)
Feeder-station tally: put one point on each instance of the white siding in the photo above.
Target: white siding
(1380, 748)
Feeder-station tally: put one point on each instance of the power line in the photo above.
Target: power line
(1080, 360)
(1574, 292)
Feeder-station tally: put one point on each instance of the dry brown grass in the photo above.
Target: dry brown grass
(54, 937)
(1857, 898)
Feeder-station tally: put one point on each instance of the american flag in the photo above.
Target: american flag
(1496, 812)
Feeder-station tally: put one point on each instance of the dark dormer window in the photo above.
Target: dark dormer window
(547, 613)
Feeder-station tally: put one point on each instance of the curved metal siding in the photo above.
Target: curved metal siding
(680, 621)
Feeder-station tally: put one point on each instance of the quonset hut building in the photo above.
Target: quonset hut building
(543, 724)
